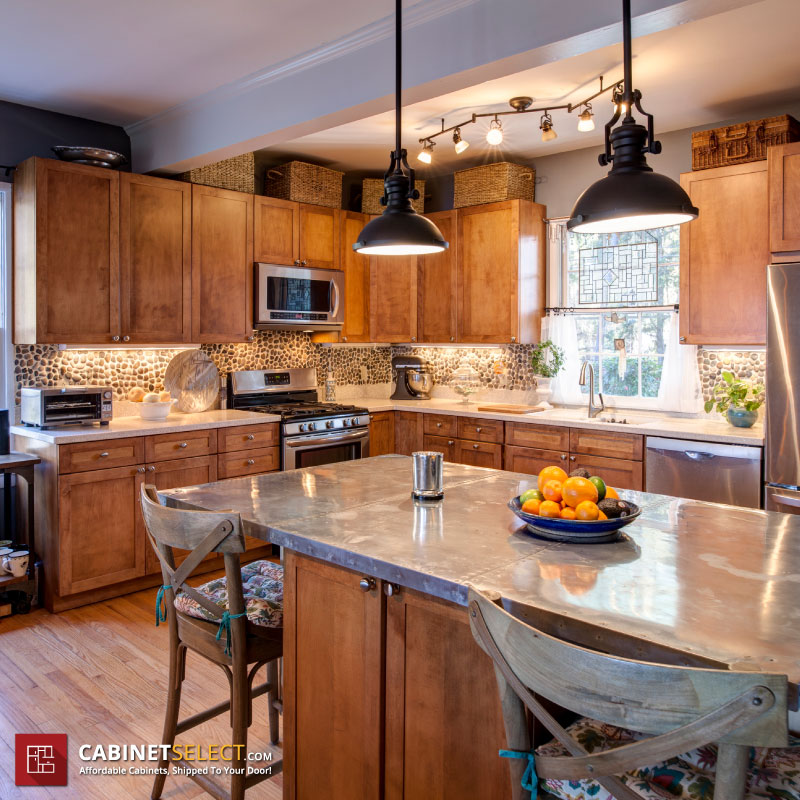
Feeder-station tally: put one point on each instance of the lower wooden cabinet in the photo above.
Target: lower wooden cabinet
(407, 432)
(620, 473)
(532, 460)
(384, 697)
(381, 433)
(248, 462)
(479, 454)
(441, 444)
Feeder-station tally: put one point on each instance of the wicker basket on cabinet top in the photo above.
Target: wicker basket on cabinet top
(742, 142)
(372, 191)
(305, 183)
(492, 183)
(237, 173)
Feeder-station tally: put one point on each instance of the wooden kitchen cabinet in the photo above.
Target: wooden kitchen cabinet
(155, 223)
(612, 444)
(166, 446)
(407, 432)
(620, 473)
(248, 462)
(441, 444)
(276, 230)
(479, 454)
(501, 272)
(724, 255)
(381, 433)
(783, 169)
(532, 460)
(440, 424)
(437, 285)
(356, 268)
(222, 265)
(319, 237)
(66, 253)
(393, 298)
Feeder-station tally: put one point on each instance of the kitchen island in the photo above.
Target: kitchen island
(386, 694)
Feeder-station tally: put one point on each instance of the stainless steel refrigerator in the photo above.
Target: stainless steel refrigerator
(782, 440)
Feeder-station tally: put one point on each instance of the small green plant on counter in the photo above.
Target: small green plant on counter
(733, 393)
(547, 359)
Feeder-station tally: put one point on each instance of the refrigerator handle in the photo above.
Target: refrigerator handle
(786, 500)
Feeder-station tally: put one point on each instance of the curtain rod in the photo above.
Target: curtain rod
(607, 309)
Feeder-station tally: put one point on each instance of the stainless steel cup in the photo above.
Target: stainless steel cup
(427, 468)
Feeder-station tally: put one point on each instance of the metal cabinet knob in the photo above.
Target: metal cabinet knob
(572, 458)
(250, 338)
(141, 469)
(151, 468)
(681, 338)
(413, 338)
(344, 338)
(250, 437)
(297, 262)
(367, 584)
(563, 456)
(450, 441)
(305, 263)
(390, 589)
(513, 338)
(475, 446)
(250, 462)
(126, 338)
(478, 429)
(438, 424)
(452, 338)
(115, 338)
(103, 455)
(183, 444)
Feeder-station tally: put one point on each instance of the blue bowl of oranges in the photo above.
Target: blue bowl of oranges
(578, 507)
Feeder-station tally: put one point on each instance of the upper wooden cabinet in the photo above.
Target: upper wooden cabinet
(501, 272)
(393, 298)
(155, 259)
(437, 285)
(724, 255)
(295, 234)
(222, 265)
(66, 253)
(356, 279)
(783, 165)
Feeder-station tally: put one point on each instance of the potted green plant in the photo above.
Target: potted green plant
(547, 359)
(737, 400)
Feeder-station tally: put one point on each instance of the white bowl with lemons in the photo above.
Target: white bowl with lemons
(154, 406)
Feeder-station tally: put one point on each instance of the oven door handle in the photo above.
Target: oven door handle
(335, 288)
(326, 438)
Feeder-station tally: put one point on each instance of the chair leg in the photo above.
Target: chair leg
(177, 669)
(730, 779)
(274, 693)
(239, 705)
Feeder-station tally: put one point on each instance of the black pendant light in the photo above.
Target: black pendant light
(631, 197)
(399, 231)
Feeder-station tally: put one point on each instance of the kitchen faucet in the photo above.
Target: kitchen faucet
(593, 409)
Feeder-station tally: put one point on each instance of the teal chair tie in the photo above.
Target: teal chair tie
(529, 777)
(161, 606)
(225, 625)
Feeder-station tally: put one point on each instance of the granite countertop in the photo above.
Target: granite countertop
(713, 580)
(124, 427)
(704, 430)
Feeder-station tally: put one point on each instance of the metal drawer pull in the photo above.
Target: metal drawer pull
(250, 462)
(152, 468)
(450, 441)
(563, 456)
(438, 424)
(141, 469)
(367, 584)
(103, 455)
(572, 458)
(250, 437)
(475, 446)
(478, 429)
(183, 444)
(390, 589)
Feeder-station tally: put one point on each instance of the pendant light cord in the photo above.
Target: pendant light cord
(398, 79)
(627, 58)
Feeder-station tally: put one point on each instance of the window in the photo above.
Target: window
(6, 356)
(621, 290)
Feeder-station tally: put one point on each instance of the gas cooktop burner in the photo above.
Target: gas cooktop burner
(290, 411)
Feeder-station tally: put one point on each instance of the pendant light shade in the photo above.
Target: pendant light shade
(399, 231)
(631, 197)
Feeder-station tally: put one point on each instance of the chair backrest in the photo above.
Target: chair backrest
(689, 707)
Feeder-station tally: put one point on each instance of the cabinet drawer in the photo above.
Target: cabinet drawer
(546, 437)
(480, 430)
(168, 446)
(440, 425)
(606, 443)
(617, 472)
(247, 437)
(84, 456)
(440, 444)
(533, 460)
(479, 454)
(251, 462)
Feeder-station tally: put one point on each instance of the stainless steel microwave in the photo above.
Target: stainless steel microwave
(298, 298)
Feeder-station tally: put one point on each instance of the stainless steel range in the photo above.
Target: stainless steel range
(312, 433)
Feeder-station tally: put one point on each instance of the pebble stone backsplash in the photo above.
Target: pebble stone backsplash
(750, 365)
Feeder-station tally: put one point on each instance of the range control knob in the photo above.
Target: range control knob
(354, 421)
(329, 423)
(346, 423)
(312, 426)
(302, 427)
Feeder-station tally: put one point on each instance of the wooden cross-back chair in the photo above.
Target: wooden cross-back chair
(685, 708)
(231, 641)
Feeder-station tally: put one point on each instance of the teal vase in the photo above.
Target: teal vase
(741, 417)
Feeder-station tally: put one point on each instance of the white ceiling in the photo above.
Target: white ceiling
(694, 74)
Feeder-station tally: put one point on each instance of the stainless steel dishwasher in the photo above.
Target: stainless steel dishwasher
(719, 473)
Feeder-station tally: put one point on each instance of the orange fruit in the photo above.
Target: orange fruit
(549, 508)
(552, 473)
(552, 491)
(567, 513)
(577, 490)
(587, 511)
(612, 493)
(563, 503)
(602, 515)
(531, 506)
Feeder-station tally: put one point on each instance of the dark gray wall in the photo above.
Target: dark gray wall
(27, 131)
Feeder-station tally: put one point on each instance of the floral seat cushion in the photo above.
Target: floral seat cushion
(774, 772)
(262, 584)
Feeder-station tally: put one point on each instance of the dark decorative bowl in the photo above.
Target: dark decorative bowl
(573, 530)
(91, 156)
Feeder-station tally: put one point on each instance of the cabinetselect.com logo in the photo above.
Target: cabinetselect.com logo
(40, 759)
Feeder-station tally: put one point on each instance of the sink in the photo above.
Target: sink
(607, 417)
(620, 419)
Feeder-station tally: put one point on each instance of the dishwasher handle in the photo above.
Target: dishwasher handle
(696, 456)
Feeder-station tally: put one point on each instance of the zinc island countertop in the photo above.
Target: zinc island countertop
(716, 584)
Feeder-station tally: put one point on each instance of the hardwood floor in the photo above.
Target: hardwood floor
(98, 673)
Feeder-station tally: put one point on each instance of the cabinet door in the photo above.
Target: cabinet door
(440, 425)
(444, 723)
(407, 432)
(248, 437)
(319, 237)
(437, 285)
(248, 462)
(477, 429)
(222, 265)
(356, 279)
(381, 433)
(724, 255)
(441, 444)
(533, 460)
(606, 443)
(155, 259)
(167, 446)
(66, 253)
(783, 165)
(479, 454)
(617, 472)
(172, 475)
(393, 298)
(101, 531)
(333, 643)
(547, 437)
(276, 231)
(488, 252)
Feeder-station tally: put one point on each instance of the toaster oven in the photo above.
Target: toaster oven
(68, 405)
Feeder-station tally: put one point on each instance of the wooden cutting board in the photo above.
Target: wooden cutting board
(511, 408)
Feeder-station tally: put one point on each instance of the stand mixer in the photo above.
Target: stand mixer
(414, 378)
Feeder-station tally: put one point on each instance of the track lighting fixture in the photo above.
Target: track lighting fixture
(426, 154)
(460, 144)
(586, 119)
(546, 126)
(494, 135)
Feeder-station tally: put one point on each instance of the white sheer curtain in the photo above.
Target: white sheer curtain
(680, 388)
(562, 331)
